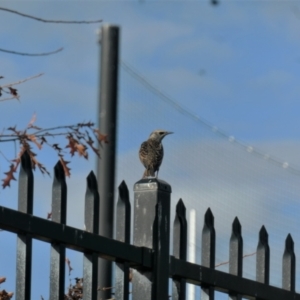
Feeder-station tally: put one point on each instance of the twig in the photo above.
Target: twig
(10, 98)
(21, 81)
(31, 54)
(227, 262)
(48, 21)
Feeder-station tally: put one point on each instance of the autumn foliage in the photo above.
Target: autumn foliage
(4, 295)
(80, 138)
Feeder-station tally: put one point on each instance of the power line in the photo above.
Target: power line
(185, 111)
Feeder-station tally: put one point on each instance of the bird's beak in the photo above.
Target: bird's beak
(169, 132)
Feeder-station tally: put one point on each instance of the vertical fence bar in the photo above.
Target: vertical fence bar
(108, 125)
(179, 248)
(263, 257)
(191, 294)
(58, 251)
(289, 265)
(91, 221)
(123, 217)
(24, 241)
(148, 193)
(161, 247)
(236, 253)
(208, 251)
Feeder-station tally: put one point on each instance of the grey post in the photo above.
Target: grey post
(152, 228)
(107, 124)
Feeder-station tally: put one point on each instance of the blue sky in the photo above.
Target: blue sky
(236, 65)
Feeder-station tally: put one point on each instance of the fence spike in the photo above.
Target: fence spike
(180, 231)
(58, 251)
(236, 253)
(59, 195)
(26, 160)
(236, 227)
(123, 214)
(289, 265)
(208, 240)
(24, 242)
(123, 217)
(91, 218)
(92, 181)
(180, 208)
(263, 257)
(208, 250)
(25, 194)
(209, 219)
(91, 221)
(179, 248)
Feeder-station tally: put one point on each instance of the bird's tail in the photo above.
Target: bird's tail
(149, 173)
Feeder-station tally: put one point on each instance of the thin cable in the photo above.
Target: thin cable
(177, 106)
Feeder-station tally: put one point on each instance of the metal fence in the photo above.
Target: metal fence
(143, 270)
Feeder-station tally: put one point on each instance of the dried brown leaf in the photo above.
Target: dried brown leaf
(2, 279)
(81, 150)
(49, 215)
(9, 176)
(101, 137)
(90, 142)
(65, 167)
(72, 144)
(13, 91)
(69, 265)
(32, 138)
(33, 119)
(5, 295)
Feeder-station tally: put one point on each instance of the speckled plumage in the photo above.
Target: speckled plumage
(152, 152)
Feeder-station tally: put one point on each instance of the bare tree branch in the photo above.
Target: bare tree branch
(227, 262)
(21, 81)
(13, 92)
(48, 21)
(30, 54)
(9, 98)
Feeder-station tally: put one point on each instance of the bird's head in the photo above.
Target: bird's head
(159, 134)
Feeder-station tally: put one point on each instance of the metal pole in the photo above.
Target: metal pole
(107, 124)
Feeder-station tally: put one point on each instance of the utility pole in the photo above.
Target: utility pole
(107, 118)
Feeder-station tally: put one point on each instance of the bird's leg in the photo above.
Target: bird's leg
(145, 175)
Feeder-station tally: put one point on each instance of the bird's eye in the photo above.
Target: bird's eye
(161, 133)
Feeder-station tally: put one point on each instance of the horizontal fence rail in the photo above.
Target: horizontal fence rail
(73, 238)
(226, 283)
(143, 269)
(113, 250)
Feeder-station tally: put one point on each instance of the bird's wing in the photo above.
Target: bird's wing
(159, 155)
(143, 153)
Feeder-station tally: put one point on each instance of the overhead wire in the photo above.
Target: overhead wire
(189, 114)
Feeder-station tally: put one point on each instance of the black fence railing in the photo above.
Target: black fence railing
(143, 269)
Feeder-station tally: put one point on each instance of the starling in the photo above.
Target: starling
(152, 152)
